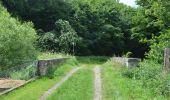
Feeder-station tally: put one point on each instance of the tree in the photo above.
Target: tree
(151, 19)
(158, 44)
(103, 25)
(16, 41)
(68, 37)
(43, 13)
(62, 39)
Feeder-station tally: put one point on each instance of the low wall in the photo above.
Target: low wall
(128, 62)
(42, 69)
(44, 65)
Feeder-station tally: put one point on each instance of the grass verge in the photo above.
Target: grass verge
(78, 87)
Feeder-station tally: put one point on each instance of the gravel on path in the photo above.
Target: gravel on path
(57, 85)
(97, 84)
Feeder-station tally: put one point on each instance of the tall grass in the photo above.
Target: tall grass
(50, 55)
(118, 87)
(150, 74)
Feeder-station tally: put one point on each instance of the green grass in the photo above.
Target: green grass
(49, 55)
(117, 87)
(92, 60)
(35, 89)
(78, 87)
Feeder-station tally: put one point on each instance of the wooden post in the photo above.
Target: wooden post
(166, 60)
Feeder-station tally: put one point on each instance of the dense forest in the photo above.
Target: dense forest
(92, 27)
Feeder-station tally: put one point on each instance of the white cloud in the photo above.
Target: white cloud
(128, 2)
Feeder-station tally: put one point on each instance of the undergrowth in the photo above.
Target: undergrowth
(150, 74)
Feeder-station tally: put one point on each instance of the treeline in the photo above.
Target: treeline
(17, 41)
(96, 27)
(90, 27)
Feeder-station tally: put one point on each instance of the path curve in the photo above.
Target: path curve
(97, 84)
(56, 86)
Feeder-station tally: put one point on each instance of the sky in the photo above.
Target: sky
(128, 2)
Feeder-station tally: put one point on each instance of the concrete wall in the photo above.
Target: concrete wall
(128, 62)
(44, 65)
(42, 69)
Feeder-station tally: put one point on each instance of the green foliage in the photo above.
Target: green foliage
(24, 74)
(16, 41)
(99, 23)
(115, 86)
(149, 73)
(103, 25)
(68, 38)
(152, 18)
(50, 55)
(42, 13)
(62, 39)
(158, 44)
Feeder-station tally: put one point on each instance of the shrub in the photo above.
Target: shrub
(158, 44)
(149, 72)
(62, 39)
(25, 73)
(16, 41)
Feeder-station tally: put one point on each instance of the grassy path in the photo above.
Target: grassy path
(78, 87)
(58, 84)
(88, 83)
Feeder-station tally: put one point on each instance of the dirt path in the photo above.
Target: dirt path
(97, 84)
(56, 86)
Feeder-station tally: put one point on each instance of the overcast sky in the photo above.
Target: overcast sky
(128, 2)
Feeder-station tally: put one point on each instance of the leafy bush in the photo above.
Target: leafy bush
(158, 44)
(16, 41)
(149, 72)
(68, 38)
(63, 38)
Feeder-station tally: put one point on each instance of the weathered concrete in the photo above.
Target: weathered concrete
(128, 62)
(42, 69)
(44, 65)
